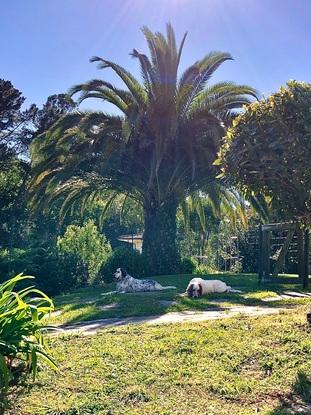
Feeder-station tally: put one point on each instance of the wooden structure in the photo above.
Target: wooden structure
(265, 273)
(136, 240)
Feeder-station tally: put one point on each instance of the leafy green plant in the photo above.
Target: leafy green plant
(188, 265)
(55, 271)
(205, 269)
(22, 343)
(88, 244)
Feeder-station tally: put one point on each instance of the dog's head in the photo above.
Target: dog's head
(120, 274)
(194, 290)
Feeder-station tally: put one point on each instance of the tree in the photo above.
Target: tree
(55, 106)
(13, 173)
(159, 150)
(19, 127)
(267, 151)
(17, 130)
(14, 132)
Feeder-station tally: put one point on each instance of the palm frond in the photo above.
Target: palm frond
(130, 81)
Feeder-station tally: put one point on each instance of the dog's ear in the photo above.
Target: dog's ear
(200, 290)
(123, 272)
(189, 290)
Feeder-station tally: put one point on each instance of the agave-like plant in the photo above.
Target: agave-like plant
(158, 151)
(22, 343)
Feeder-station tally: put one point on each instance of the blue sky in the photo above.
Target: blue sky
(46, 44)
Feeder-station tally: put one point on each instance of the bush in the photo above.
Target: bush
(88, 244)
(204, 269)
(22, 344)
(55, 272)
(188, 265)
(126, 258)
(59, 272)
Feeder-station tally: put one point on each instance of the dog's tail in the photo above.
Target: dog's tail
(232, 290)
(169, 287)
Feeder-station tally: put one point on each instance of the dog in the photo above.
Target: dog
(127, 284)
(198, 287)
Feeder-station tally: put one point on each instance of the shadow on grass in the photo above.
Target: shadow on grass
(298, 401)
(90, 304)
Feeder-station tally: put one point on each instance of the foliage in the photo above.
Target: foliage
(19, 227)
(217, 202)
(55, 106)
(188, 265)
(10, 104)
(158, 151)
(123, 216)
(127, 258)
(18, 127)
(88, 244)
(206, 268)
(14, 133)
(22, 344)
(201, 215)
(13, 173)
(267, 151)
(55, 272)
(249, 255)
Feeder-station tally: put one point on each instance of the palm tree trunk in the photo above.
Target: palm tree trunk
(159, 242)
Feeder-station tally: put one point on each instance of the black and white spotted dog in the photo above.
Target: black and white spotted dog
(128, 284)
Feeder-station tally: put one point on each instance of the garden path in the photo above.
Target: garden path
(91, 327)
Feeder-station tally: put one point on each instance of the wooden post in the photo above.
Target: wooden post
(300, 254)
(266, 254)
(260, 263)
(305, 281)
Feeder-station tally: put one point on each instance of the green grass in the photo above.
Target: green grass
(90, 303)
(238, 366)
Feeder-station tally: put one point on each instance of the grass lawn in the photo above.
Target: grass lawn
(90, 303)
(237, 366)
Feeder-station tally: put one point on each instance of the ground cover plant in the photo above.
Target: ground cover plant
(238, 366)
(91, 303)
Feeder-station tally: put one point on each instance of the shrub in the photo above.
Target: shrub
(60, 272)
(126, 258)
(22, 344)
(204, 269)
(55, 272)
(188, 265)
(88, 244)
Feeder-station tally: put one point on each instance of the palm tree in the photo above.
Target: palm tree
(159, 150)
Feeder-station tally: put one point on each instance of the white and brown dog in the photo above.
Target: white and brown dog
(198, 287)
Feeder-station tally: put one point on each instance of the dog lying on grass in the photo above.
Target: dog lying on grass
(198, 287)
(127, 284)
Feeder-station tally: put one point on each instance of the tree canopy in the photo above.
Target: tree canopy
(14, 132)
(267, 151)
